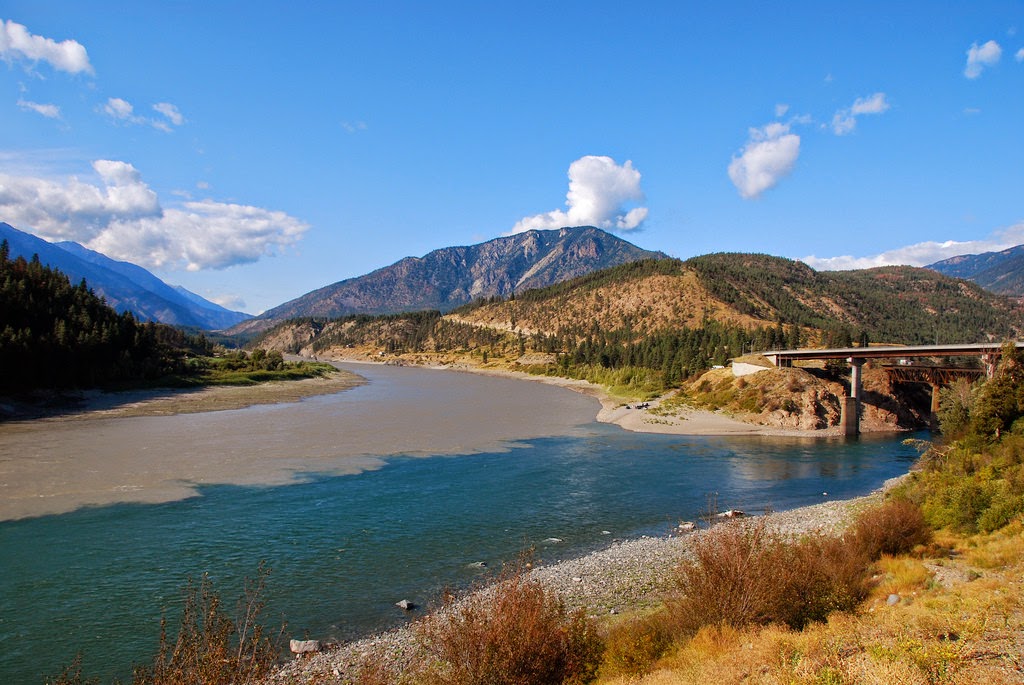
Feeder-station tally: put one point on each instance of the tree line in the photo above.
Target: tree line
(57, 335)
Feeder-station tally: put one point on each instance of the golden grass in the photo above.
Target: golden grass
(969, 628)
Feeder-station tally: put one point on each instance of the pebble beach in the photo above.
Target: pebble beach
(625, 576)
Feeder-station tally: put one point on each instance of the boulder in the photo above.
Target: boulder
(300, 647)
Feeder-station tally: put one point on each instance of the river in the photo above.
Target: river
(391, 490)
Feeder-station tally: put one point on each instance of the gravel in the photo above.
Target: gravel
(625, 576)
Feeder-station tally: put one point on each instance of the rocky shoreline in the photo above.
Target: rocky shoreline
(625, 576)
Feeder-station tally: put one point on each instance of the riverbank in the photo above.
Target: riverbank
(97, 404)
(626, 576)
(651, 418)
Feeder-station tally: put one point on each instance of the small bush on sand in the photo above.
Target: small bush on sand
(516, 633)
(895, 527)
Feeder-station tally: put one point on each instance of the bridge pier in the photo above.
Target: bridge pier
(849, 419)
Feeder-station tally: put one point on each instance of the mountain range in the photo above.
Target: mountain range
(125, 286)
(998, 272)
(755, 300)
(453, 276)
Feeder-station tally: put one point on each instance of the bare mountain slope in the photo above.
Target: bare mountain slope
(447, 278)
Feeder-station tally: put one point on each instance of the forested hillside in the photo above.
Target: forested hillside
(669, 320)
(57, 335)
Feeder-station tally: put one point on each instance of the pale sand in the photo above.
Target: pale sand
(95, 404)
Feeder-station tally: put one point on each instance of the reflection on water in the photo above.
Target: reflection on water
(344, 548)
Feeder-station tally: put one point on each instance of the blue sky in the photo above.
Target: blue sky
(255, 151)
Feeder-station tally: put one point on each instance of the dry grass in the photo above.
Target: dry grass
(967, 630)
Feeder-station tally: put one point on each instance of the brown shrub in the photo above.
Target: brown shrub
(732, 579)
(516, 633)
(895, 527)
(745, 574)
(211, 647)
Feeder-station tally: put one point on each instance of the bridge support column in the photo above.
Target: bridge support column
(850, 418)
(935, 400)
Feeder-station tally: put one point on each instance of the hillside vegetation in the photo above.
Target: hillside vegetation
(648, 326)
(56, 336)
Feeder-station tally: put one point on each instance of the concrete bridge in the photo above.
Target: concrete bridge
(989, 354)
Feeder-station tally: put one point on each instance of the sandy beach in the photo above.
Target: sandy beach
(96, 404)
(626, 415)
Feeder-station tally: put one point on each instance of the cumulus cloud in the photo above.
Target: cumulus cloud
(1020, 55)
(117, 108)
(122, 217)
(46, 110)
(121, 110)
(599, 193)
(845, 120)
(979, 57)
(769, 155)
(922, 254)
(16, 43)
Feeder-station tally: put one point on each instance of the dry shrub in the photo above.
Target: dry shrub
(733, 577)
(516, 633)
(744, 574)
(211, 647)
(824, 577)
(895, 527)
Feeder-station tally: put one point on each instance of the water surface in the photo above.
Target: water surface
(344, 547)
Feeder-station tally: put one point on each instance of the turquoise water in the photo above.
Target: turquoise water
(344, 549)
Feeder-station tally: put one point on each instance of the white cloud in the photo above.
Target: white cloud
(1020, 55)
(353, 126)
(229, 301)
(123, 218)
(122, 110)
(117, 108)
(171, 112)
(16, 43)
(599, 192)
(781, 109)
(922, 254)
(979, 57)
(46, 110)
(769, 155)
(845, 120)
(874, 104)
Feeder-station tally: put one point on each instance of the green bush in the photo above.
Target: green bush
(632, 647)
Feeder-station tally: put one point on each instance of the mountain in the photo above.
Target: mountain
(902, 305)
(699, 312)
(450, 277)
(125, 286)
(998, 272)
